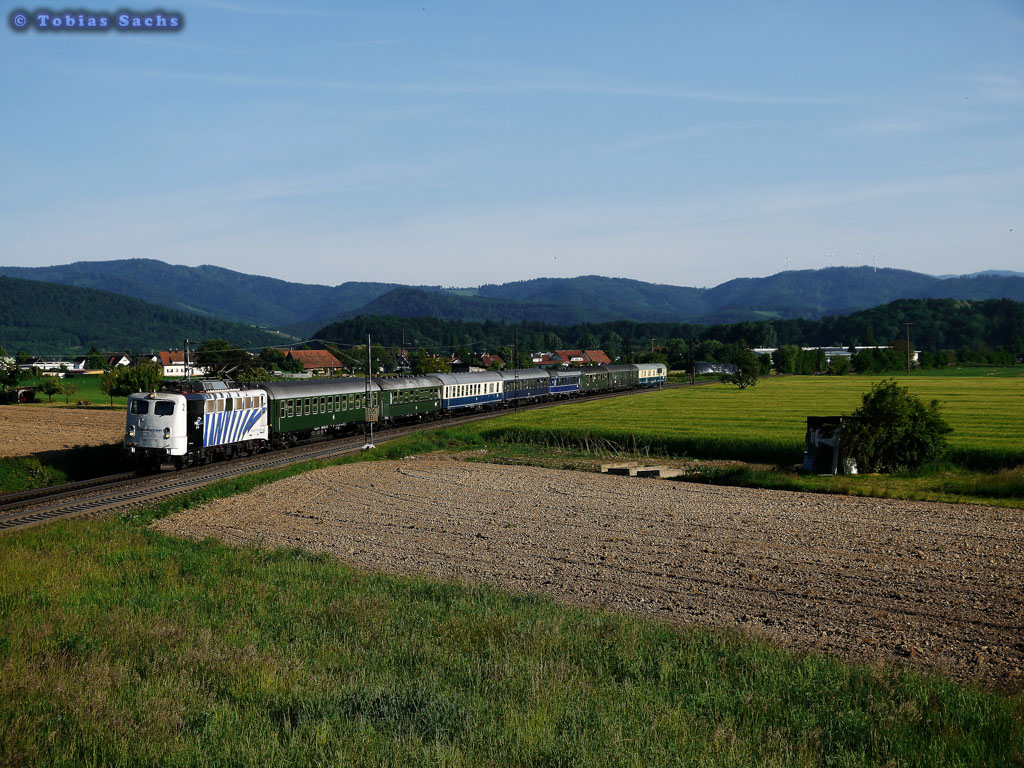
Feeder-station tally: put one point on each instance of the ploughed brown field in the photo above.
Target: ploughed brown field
(937, 586)
(28, 429)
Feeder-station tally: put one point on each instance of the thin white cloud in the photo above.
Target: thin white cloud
(885, 127)
(506, 87)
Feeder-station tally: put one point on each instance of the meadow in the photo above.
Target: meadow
(122, 646)
(87, 390)
(767, 423)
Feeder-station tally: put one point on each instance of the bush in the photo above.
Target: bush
(894, 430)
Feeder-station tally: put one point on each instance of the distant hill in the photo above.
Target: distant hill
(50, 319)
(613, 297)
(446, 305)
(209, 290)
(300, 308)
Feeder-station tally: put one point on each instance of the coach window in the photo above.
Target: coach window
(337, 402)
(305, 406)
(323, 405)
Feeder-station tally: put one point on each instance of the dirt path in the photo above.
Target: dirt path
(27, 429)
(939, 586)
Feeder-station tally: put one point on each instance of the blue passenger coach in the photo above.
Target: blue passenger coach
(565, 383)
(469, 390)
(526, 384)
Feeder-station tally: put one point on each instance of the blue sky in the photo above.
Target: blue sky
(463, 143)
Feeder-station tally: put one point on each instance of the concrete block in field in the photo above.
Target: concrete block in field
(617, 469)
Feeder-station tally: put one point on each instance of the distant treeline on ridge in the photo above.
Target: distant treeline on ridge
(936, 324)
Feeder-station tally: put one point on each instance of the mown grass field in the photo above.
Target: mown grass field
(121, 646)
(767, 423)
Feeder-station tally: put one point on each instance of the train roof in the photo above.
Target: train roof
(619, 368)
(469, 377)
(407, 382)
(317, 387)
(571, 373)
(522, 374)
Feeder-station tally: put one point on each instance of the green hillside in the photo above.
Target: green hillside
(446, 305)
(209, 290)
(51, 319)
(300, 308)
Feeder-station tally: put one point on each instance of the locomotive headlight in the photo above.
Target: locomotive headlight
(167, 433)
(131, 431)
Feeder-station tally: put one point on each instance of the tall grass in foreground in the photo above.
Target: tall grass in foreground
(120, 646)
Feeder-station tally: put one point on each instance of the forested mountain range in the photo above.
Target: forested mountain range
(209, 290)
(50, 319)
(936, 324)
(302, 308)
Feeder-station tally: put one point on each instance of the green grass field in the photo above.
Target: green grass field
(88, 390)
(121, 646)
(767, 423)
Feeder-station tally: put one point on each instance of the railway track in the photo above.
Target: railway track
(129, 490)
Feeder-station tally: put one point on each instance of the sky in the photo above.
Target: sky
(462, 143)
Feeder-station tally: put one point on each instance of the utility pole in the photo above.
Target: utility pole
(515, 365)
(692, 360)
(369, 410)
(187, 369)
(908, 346)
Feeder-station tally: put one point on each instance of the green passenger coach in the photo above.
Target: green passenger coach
(302, 409)
(408, 397)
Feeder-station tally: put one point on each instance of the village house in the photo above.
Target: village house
(173, 364)
(315, 361)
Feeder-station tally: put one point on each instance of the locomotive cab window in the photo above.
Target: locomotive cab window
(163, 408)
(139, 406)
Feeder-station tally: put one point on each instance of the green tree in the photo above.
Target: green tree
(423, 363)
(49, 386)
(839, 366)
(94, 360)
(747, 366)
(252, 375)
(68, 388)
(895, 430)
(144, 377)
(109, 384)
(220, 355)
(10, 373)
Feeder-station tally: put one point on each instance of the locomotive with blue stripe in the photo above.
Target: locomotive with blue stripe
(193, 422)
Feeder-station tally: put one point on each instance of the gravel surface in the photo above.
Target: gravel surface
(27, 429)
(937, 586)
